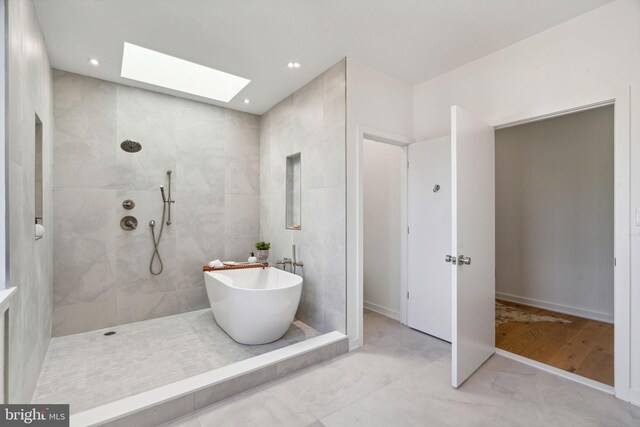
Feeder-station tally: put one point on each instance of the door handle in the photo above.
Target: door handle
(464, 260)
(450, 258)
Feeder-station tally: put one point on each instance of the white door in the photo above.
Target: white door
(473, 243)
(429, 220)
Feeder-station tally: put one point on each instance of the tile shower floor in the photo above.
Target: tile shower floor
(91, 369)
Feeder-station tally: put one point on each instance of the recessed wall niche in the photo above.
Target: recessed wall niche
(294, 192)
(38, 170)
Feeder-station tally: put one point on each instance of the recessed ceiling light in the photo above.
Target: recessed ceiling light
(246, 101)
(159, 69)
(293, 65)
(93, 61)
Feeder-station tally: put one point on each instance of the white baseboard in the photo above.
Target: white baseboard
(565, 309)
(393, 314)
(605, 388)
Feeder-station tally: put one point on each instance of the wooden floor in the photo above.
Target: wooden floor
(584, 347)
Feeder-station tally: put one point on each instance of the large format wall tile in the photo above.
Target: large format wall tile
(102, 273)
(85, 132)
(84, 245)
(29, 93)
(242, 226)
(201, 234)
(312, 122)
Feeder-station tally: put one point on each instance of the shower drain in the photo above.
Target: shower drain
(109, 333)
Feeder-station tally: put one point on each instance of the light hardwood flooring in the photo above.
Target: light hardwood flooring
(583, 347)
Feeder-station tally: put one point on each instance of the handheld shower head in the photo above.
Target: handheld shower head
(164, 199)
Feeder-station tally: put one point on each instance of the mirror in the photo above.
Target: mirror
(294, 192)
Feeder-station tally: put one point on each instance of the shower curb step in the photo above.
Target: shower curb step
(183, 397)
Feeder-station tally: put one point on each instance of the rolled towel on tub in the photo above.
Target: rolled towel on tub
(215, 264)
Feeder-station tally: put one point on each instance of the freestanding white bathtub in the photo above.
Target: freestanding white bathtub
(254, 305)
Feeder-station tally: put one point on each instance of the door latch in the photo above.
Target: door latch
(460, 260)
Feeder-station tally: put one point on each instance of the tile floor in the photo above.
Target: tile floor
(401, 378)
(90, 369)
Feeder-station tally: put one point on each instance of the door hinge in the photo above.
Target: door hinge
(407, 230)
(615, 262)
(407, 165)
(407, 294)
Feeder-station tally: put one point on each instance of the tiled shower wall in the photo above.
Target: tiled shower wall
(30, 261)
(310, 122)
(101, 272)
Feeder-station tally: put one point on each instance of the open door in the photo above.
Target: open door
(473, 243)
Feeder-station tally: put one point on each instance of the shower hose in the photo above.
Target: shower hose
(156, 243)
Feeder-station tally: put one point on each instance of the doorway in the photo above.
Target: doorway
(473, 306)
(555, 242)
(384, 201)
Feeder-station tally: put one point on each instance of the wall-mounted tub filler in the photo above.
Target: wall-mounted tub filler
(292, 262)
(166, 212)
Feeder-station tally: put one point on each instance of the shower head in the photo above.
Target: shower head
(131, 146)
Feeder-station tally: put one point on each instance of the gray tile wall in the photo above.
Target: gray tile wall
(312, 122)
(30, 261)
(101, 275)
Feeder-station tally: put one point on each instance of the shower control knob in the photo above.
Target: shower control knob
(128, 204)
(129, 223)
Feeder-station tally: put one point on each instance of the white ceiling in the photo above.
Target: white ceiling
(412, 40)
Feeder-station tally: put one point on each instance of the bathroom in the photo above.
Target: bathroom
(156, 151)
(141, 190)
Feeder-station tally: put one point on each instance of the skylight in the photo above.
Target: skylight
(159, 69)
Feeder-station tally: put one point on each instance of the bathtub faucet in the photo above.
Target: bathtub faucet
(284, 262)
(295, 262)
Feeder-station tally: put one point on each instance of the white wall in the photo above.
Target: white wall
(381, 105)
(554, 213)
(554, 209)
(582, 61)
(382, 210)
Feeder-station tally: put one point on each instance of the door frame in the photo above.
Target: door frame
(355, 233)
(620, 99)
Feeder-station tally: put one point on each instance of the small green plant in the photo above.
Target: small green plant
(263, 246)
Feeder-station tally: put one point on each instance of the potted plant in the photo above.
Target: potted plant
(263, 251)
